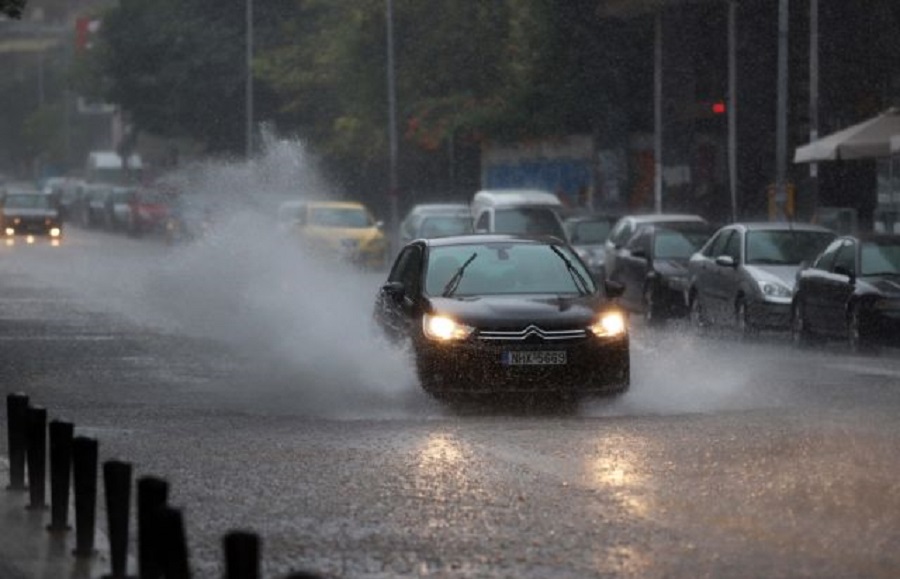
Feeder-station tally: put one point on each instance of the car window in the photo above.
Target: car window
(621, 232)
(351, 217)
(784, 247)
(505, 268)
(715, 247)
(28, 201)
(825, 261)
(527, 221)
(733, 246)
(669, 244)
(407, 268)
(591, 232)
(444, 225)
(846, 257)
(880, 258)
(640, 241)
(483, 222)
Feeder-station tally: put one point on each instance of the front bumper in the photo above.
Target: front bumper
(769, 315)
(593, 365)
(39, 227)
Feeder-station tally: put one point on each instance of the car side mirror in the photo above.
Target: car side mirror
(394, 289)
(725, 261)
(614, 289)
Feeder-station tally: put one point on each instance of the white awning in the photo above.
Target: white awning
(867, 140)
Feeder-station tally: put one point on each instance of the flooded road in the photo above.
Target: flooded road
(247, 375)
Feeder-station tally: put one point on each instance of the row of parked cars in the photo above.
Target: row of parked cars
(748, 276)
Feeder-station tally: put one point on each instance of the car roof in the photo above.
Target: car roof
(664, 217)
(438, 207)
(515, 197)
(780, 226)
(472, 239)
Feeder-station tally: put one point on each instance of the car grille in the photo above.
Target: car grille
(532, 333)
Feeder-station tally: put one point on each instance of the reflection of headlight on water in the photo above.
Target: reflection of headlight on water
(29, 239)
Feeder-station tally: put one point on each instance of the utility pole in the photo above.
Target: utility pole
(781, 110)
(657, 113)
(814, 97)
(249, 80)
(732, 107)
(392, 129)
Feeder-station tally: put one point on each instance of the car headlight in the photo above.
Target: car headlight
(609, 325)
(444, 328)
(772, 289)
(10, 231)
(55, 232)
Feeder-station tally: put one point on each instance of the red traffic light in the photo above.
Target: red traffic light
(718, 108)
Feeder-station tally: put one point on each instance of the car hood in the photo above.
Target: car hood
(888, 286)
(546, 311)
(786, 275)
(29, 212)
(673, 267)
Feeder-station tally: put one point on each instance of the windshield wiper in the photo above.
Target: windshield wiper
(451, 286)
(579, 280)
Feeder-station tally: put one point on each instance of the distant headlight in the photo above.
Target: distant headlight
(55, 232)
(10, 231)
(444, 329)
(17, 220)
(771, 289)
(609, 324)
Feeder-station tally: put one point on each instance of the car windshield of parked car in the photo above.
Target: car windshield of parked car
(349, 217)
(669, 244)
(27, 201)
(505, 268)
(592, 232)
(445, 225)
(880, 258)
(785, 247)
(528, 221)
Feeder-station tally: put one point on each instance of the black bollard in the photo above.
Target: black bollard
(117, 482)
(173, 544)
(84, 475)
(60, 474)
(241, 555)
(36, 452)
(152, 494)
(16, 423)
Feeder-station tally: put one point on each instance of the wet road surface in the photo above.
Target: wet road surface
(249, 379)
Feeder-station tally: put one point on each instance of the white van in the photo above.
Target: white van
(517, 211)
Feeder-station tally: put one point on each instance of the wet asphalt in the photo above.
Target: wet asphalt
(254, 387)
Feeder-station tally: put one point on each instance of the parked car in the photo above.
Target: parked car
(343, 228)
(149, 209)
(189, 218)
(121, 200)
(96, 206)
(851, 292)
(26, 211)
(628, 224)
(587, 233)
(435, 220)
(744, 275)
(654, 268)
(517, 212)
(504, 313)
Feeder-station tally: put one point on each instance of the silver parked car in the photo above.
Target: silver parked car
(744, 275)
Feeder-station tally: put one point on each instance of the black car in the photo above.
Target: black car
(587, 233)
(502, 313)
(625, 227)
(24, 212)
(851, 291)
(654, 268)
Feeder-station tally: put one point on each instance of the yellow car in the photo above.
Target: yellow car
(344, 228)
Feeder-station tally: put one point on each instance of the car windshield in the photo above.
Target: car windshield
(785, 247)
(877, 258)
(670, 244)
(349, 217)
(27, 201)
(528, 221)
(505, 268)
(445, 225)
(589, 232)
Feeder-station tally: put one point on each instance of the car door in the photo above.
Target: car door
(837, 288)
(716, 275)
(811, 287)
(632, 266)
(615, 244)
(398, 299)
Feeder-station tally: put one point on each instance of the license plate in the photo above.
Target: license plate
(533, 358)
